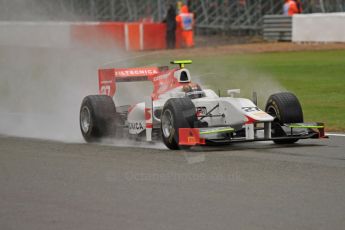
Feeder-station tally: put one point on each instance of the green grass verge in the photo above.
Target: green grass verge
(316, 77)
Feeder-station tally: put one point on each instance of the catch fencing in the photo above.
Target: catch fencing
(225, 16)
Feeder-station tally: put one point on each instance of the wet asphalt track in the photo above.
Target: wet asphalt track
(52, 185)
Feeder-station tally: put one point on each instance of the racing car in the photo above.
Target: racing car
(182, 114)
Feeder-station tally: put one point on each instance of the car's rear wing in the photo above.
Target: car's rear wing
(107, 78)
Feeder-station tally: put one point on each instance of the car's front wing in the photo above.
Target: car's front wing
(226, 135)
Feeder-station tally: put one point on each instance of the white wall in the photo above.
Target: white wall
(328, 27)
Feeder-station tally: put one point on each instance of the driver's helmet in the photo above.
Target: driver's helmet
(193, 90)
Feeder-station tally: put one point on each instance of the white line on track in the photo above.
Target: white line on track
(336, 134)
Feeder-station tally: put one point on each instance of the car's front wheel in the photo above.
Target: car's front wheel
(177, 113)
(285, 108)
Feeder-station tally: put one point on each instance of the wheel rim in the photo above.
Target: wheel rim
(85, 119)
(167, 123)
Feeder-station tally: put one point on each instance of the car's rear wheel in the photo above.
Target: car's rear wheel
(285, 108)
(177, 113)
(98, 118)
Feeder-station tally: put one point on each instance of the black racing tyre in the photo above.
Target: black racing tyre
(98, 117)
(286, 108)
(177, 113)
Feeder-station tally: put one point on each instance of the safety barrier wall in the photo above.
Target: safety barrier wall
(277, 28)
(98, 34)
(328, 27)
(128, 36)
(144, 36)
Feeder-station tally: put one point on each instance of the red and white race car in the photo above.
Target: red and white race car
(183, 114)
